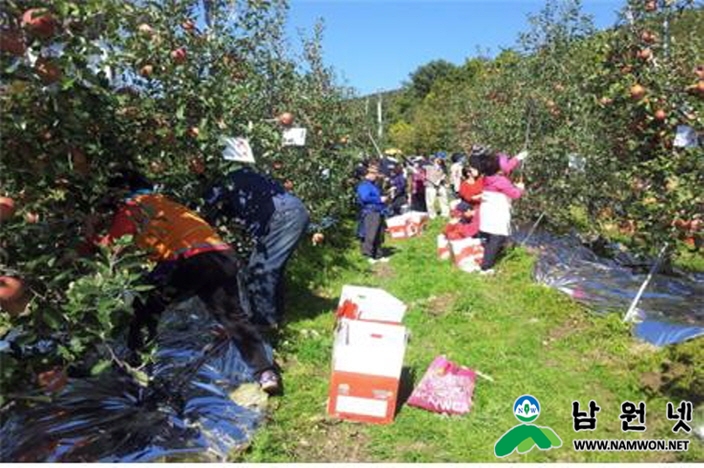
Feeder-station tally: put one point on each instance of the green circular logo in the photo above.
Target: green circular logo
(526, 408)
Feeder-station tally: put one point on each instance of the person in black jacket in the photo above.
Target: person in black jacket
(276, 220)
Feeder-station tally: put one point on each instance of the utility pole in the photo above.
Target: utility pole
(380, 132)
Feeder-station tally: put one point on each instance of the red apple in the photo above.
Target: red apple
(11, 288)
(156, 167)
(47, 70)
(196, 165)
(12, 42)
(189, 25)
(39, 22)
(193, 132)
(53, 380)
(660, 115)
(637, 92)
(648, 37)
(699, 71)
(651, 5)
(16, 307)
(146, 70)
(277, 165)
(286, 119)
(318, 238)
(179, 55)
(7, 208)
(145, 29)
(31, 218)
(645, 54)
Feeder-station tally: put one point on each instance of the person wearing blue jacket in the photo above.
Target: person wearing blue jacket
(371, 221)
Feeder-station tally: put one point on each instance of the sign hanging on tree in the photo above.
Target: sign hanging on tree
(294, 137)
(686, 137)
(237, 149)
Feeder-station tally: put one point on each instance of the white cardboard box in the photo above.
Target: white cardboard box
(373, 304)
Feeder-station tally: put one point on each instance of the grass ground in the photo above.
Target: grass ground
(527, 337)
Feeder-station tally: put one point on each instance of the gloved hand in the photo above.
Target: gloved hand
(522, 155)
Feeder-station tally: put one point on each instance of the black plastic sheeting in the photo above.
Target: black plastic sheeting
(671, 310)
(113, 418)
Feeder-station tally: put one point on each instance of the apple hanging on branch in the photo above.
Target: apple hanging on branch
(637, 92)
(193, 132)
(188, 25)
(11, 288)
(7, 208)
(286, 119)
(147, 70)
(179, 55)
(145, 30)
(317, 238)
(31, 218)
(39, 22)
(47, 70)
(648, 37)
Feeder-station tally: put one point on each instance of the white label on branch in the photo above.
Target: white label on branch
(686, 137)
(237, 149)
(294, 137)
(576, 162)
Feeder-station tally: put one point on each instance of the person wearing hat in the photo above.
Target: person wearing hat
(371, 218)
(275, 220)
(436, 188)
(191, 260)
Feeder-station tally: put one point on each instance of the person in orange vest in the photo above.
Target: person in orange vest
(192, 260)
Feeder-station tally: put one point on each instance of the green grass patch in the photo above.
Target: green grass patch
(528, 338)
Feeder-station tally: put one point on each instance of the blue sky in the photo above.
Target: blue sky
(375, 44)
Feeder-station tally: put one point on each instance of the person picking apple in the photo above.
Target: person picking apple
(275, 220)
(191, 260)
(495, 209)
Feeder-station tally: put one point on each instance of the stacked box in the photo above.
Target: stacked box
(468, 253)
(368, 352)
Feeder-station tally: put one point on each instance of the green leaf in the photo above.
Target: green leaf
(100, 367)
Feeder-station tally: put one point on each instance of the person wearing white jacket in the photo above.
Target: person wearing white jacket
(495, 210)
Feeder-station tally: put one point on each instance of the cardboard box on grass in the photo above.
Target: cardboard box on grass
(370, 304)
(366, 370)
(396, 226)
(418, 221)
(467, 253)
(406, 225)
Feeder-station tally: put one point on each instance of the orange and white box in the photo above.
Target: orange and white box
(370, 304)
(366, 370)
(396, 226)
(468, 253)
(443, 247)
(418, 221)
(406, 225)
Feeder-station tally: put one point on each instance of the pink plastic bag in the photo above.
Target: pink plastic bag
(445, 388)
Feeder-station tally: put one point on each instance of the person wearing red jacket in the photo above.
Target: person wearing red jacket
(192, 260)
